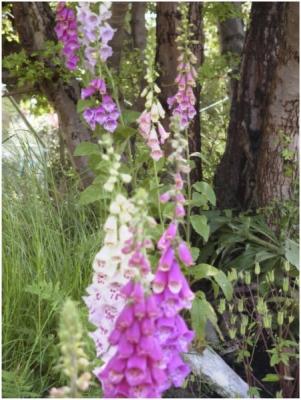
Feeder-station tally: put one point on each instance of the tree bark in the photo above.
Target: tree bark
(232, 36)
(117, 21)
(264, 107)
(168, 18)
(34, 23)
(138, 25)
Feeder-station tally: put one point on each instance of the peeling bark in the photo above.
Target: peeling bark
(168, 18)
(34, 23)
(265, 101)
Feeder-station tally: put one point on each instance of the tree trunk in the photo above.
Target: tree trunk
(117, 21)
(168, 19)
(232, 35)
(138, 25)
(34, 23)
(264, 112)
(139, 34)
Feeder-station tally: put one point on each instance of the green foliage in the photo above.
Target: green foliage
(48, 242)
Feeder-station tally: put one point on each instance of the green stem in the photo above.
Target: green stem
(158, 194)
(188, 230)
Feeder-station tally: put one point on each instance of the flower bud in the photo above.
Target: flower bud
(240, 305)
(257, 268)
(280, 318)
(248, 278)
(285, 284)
(222, 306)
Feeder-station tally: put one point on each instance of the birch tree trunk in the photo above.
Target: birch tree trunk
(34, 22)
(264, 112)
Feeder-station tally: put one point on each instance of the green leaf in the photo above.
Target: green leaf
(90, 194)
(199, 224)
(202, 311)
(292, 252)
(83, 104)
(86, 149)
(206, 190)
(202, 271)
(195, 252)
(124, 132)
(130, 116)
(271, 378)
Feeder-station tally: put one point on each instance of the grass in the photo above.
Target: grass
(49, 242)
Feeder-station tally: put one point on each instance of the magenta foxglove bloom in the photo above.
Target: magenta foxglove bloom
(66, 31)
(136, 369)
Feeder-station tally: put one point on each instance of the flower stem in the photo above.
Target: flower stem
(188, 230)
(158, 194)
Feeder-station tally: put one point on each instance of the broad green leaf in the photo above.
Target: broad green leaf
(202, 271)
(206, 190)
(198, 200)
(124, 132)
(199, 224)
(130, 116)
(271, 378)
(292, 252)
(86, 149)
(201, 312)
(83, 104)
(195, 252)
(223, 282)
(90, 194)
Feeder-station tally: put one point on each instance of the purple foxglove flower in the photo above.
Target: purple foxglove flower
(125, 319)
(89, 116)
(185, 254)
(178, 371)
(67, 33)
(116, 368)
(136, 370)
(100, 115)
(105, 52)
(110, 125)
(180, 211)
(147, 326)
(114, 336)
(175, 279)
(99, 85)
(187, 294)
(166, 329)
(87, 92)
(133, 333)
(139, 309)
(137, 294)
(106, 33)
(166, 259)
(171, 303)
(149, 346)
(108, 104)
(160, 281)
(152, 307)
(125, 348)
(165, 197)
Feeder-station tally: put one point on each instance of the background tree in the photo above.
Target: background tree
(262, 134)
(34, 23)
